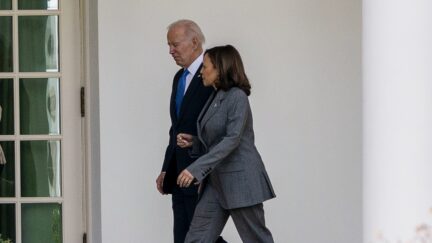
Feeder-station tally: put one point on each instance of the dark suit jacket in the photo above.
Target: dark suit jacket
(176, 158)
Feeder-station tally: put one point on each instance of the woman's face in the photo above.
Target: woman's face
(208, 72)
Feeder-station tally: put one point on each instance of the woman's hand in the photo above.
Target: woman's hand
(185, 179)
(184, 140)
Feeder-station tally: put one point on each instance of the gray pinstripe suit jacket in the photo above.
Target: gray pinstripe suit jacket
(230, 162)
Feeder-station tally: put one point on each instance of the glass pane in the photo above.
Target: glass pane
(5, 5)
(38, 4)
(40, 169)
(6, 63)
(41, 223)
(39, 106)
(7, 169)
(38, 43)
(6, 107)
(7, 223)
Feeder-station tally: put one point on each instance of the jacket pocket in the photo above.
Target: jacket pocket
(234, 188)
(230, 166)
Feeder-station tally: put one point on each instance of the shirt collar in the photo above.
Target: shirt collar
(193, 68)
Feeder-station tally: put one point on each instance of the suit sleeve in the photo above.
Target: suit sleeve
(197, 148)
(238, 111)
(170, 133)
(167, 151)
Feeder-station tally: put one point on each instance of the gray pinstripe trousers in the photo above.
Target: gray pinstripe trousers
(210, 218)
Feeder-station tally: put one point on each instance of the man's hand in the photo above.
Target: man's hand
(184, 140)
(185, 178)
(159, 182)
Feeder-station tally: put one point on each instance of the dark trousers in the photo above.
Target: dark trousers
(183, 209)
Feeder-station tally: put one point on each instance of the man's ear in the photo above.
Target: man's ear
(195, 43)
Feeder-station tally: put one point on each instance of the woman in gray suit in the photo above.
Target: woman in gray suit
(233, 179)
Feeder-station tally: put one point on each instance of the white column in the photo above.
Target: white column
(397, 62)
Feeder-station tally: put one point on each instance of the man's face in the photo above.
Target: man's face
(181, 47)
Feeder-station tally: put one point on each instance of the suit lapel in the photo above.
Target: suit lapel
(194, 84)
(213, 107)
(173, 97)
(200, 116)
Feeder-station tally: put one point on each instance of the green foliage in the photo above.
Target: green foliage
(5, 240)
(56, 226)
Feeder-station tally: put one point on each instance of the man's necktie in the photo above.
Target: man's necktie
(180, 91)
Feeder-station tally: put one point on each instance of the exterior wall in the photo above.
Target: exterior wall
(304, 61)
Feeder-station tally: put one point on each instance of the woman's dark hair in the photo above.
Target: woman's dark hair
(228, 63)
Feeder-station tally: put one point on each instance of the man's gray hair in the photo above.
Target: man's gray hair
(191, 29)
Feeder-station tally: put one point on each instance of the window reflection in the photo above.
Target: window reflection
(42, 223)
(5, 4)
(7, 223)
(7, 169)
(52, 4)
(40, 169)
(6, 63)
(6, 107)
(40, 106)
(38, 4)
(38, 44)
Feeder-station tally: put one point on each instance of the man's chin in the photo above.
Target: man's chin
(177, 62)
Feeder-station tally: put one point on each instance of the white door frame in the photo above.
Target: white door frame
(72, 152)
(90, 123)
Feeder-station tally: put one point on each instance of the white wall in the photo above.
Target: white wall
(397, 138)
(303, 58)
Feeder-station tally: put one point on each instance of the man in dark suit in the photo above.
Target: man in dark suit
(188, 97)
